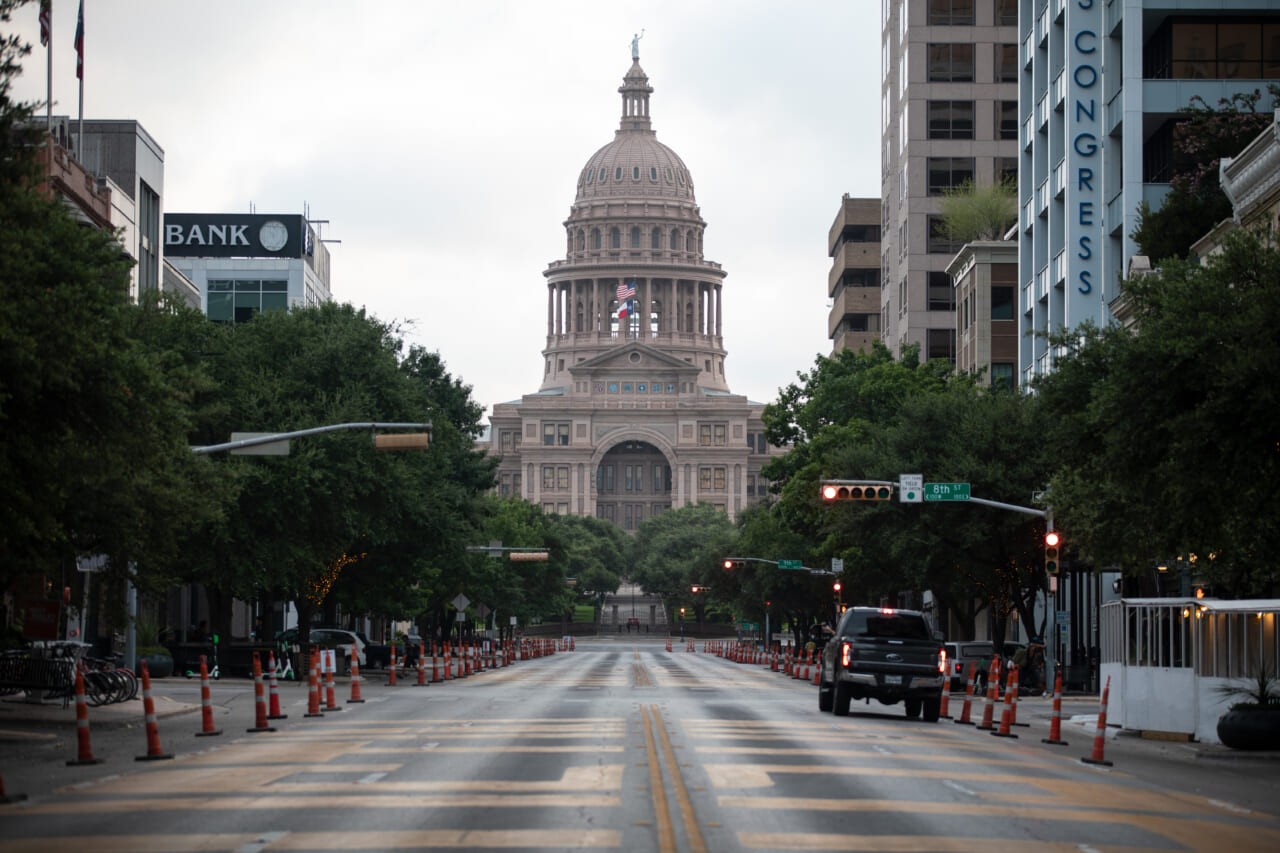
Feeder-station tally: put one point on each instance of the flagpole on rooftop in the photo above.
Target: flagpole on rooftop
(46, 38)
(80, 74)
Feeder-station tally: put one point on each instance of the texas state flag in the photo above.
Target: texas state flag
(626, 309)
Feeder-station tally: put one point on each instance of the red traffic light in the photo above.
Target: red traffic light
(694, 587)
(838, 491)
(836, 586)
(1052, 539)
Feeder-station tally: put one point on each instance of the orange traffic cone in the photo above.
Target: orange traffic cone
(313, 687)
(968, 698)
(273, 691)
(1010, 696)
(356, 698)
(422, 666)
(330, 700)
(154, 752)
(944, 708)
(993, 693)
(1055, 723)
(85, 751)
(260, 723)
(1100, 736)
(435, 664)
(207, 728)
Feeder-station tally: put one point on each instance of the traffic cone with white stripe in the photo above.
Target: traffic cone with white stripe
(1010, 696)
(968, 698)
(154, 752)
(260, 723)
(1100, 736)
(1055, 723)
(207, 728)
(993, 692)
(313, 687)
(273, 690)
(330, 699)
(85, 750)
(422, 666)
(356, 698)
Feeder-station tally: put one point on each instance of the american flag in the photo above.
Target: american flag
(626, 291)
(80, 42)
(46, 22)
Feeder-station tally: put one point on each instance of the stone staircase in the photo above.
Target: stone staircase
(633, 610)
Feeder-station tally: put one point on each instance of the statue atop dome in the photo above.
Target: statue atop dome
(635, 44)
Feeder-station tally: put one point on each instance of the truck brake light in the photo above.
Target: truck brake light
(845, 649)
(942, 661)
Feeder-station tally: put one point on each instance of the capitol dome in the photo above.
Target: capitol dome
(635, 164)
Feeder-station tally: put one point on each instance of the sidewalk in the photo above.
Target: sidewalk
(27, 713)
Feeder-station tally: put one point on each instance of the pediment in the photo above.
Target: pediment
(629, 358)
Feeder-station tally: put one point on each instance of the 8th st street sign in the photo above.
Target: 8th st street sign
(946, 491)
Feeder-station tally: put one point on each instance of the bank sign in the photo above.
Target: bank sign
(230, 235)
(1084, 191)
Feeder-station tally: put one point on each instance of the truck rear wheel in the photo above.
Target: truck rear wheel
(913, 707)
(932, 710)
(842, 696)
(826, 696)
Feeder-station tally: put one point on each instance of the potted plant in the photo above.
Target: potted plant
(147, 637)
(1254, 721)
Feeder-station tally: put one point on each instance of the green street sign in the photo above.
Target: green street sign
(946, 491)
(789, 564)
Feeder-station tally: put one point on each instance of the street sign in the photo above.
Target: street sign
(1062, 617)
(910, 488)
(837, 564)
(460, 601)
(946, 491)
(789, 564)
(750, 626)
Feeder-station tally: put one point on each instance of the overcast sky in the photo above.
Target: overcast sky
(443, 141)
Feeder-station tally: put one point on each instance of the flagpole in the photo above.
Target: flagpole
(80, 74)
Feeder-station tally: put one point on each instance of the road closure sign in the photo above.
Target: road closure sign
(910, 488)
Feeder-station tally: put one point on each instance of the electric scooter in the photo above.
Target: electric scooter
(213, 671)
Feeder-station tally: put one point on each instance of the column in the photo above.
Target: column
(551, 302)
(719, 312)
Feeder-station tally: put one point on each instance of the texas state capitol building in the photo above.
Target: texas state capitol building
(634, 415)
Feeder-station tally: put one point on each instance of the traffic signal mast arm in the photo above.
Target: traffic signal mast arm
(729, 562)
(282, 436)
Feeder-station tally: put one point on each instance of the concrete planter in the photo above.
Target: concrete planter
(1255, 729)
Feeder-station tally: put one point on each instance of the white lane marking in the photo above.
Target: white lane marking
(261, 842)
(951, 783)
(1085, 848)
(880, 749)
(429, 746)
(1230, 807)
(371, 778)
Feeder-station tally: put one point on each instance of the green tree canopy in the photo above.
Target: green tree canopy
(979, 211)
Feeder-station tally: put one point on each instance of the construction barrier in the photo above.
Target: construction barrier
(207, 728)
(84, 754)
(1100, 736)
(273, 690)
(154, 752)
(1055, 722)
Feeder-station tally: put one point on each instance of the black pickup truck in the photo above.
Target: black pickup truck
(883, 654)
(376, 655)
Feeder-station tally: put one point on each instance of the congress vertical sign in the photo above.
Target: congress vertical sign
(1085, 203)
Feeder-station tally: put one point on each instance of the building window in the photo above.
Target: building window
(1006, 113)
(237, 300)
(626, 517)
(548, 477)
(942, 296)
(635, 238)
(952, 119)
(562, 476)
(562, 509)
(1002, 375)
(947, 173)
(704, 479)
(615, 238)
(516, 483)
(505, 488)
(938, 243)
(653, 173)
(628, 483)
(604, 478)
(1006, 63)
(655, 239)
(635, 173)
(712, 435)
(751, 485)
(675, 240)
(940, 343)
(605, 511)
(595, 238)
(950, 63)
(718, 476)
(554, 435)
(1007, 13)
(1208, 48)
(861, 278)
(950, 13)
(549, 508)
(1001, 302)
(1007, 170)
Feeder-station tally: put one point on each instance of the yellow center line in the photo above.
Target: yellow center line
(666, 832)
(696, 844)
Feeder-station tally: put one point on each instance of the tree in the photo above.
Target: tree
(1166, 436)
(979, 211)
(1196, 203)
(683, 547)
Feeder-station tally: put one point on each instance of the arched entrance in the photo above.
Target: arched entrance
(633, 483)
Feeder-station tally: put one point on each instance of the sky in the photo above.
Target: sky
(442, 141)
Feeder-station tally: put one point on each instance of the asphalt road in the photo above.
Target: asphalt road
(619, 745)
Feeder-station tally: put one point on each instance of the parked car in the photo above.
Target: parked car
(347, 643)
(377, 654)
(963, 653)
(884, 654)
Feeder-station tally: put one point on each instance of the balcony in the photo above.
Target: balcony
(1042, 283)
(1060, 269)
(1059, 178)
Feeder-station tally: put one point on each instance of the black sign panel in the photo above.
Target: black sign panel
(231, 235)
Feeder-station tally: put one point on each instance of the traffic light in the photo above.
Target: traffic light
(735, 564)
(835, 492)
(1051, 562)
(695, 588)
(836, 586)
